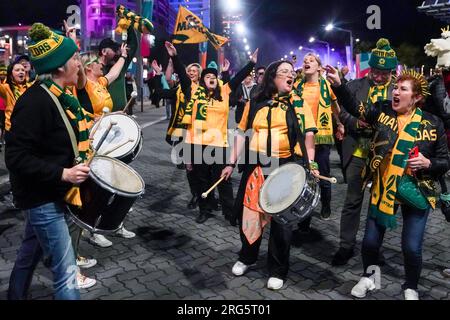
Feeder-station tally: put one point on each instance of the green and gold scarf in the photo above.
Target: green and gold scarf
(378, 93)
(79, 119)
(201, 100)
(324, 113)
(385, 186)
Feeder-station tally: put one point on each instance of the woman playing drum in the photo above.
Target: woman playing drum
(273, 116)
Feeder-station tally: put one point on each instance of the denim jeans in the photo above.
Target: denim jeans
(46, 236)
(414, 222)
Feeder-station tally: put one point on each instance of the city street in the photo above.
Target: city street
(173, 257)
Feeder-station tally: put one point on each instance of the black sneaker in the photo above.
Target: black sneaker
(202, 217)
(193, 202)
(325, 213)
(342, 256)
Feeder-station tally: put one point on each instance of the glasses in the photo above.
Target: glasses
(286, 72)
(260, 73)
(95, 60)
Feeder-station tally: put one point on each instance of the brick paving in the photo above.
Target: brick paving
(173, 257)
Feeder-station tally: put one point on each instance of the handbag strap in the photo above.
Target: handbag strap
(69, 128)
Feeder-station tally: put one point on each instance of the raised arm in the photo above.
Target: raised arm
(178, 67)
(225, 74)
(244, 72)
(156, 82)
(72, 34)
(369, 113)
(117, 68)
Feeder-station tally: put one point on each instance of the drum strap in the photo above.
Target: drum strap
(292, 122)
(69, 128)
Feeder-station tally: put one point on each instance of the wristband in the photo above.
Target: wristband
(313, 165)
(233, 165)
(125, 58)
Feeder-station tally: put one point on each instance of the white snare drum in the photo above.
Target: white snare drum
(115, 144)
(289, 194)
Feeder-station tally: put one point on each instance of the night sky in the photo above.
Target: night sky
(276, 27)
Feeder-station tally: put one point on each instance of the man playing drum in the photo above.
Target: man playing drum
(40, 158)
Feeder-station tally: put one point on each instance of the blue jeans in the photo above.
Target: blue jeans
(46, 236)
(414, 221)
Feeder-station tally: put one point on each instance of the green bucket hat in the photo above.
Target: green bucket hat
(383, 56)
(49, 50)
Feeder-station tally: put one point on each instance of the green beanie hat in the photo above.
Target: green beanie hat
(48, 49)
(383, 56)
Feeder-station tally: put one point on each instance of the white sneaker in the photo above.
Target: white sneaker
(274, 283)
(85, 263)
(411, 294)
(99, 240)
(85, 282)
(240, 268)
(362, 287)
(124, 233)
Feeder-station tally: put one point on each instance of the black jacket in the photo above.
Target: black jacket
(431, 138)
(38, 148)
(239, 98)
(435, 101)
(359, 89)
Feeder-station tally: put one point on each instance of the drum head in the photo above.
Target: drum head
(126, 128)
(281, 188)
(117, 176)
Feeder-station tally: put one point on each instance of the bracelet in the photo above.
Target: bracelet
(313, 165)
(125, 58)
(233, 165)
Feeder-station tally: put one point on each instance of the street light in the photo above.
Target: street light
(240, 28)
(306, 48)
(330, 27)
(312, 39)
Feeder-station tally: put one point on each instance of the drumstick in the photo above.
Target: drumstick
(330, 179)
(118, 146)
(102, 139)
(94, 130)
(205, 194)
(130, 102)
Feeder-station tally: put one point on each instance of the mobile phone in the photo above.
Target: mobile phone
(414, 152)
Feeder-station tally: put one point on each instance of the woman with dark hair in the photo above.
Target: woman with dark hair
(15, 85)
(278, 122)
(206, 118)
(409, 148)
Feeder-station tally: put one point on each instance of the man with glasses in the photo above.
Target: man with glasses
(377, 86)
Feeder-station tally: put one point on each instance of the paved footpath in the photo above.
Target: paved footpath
(172, 257)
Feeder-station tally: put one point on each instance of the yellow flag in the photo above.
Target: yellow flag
(190, 29)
